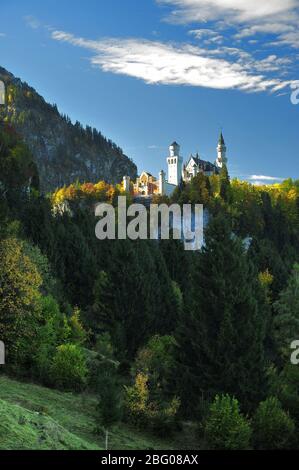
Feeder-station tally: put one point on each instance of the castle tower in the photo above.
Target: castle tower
(175, 164)
(221, 152)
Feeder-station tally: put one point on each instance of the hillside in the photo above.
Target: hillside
(35, 417)
(64, 152)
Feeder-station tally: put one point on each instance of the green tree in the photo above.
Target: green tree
(224, 184)
(286, 315)
(284, 385)
(223, 327)
(145, 410)
(109, 408)
(20, 282)
(69, 369)
(226, 428)
(157, 361)
(272, 426)
(135, 289)
(53, 330)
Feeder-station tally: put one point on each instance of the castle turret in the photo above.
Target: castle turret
(221, 152)
(175, 164)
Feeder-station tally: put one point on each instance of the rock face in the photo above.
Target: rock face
(64, 152)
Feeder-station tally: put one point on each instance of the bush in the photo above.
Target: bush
(225, 427)
(69, 370)
(272, 426)
(159, 416)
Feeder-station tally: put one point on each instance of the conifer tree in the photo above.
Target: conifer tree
(286, 318)
(109, 408)
(221, 334)
(224, 184)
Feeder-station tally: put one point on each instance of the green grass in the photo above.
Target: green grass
(24, 429)
(35, 417)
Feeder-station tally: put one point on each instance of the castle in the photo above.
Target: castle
(147, 185)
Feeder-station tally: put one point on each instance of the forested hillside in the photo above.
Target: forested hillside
(63, 152)
(159, 335)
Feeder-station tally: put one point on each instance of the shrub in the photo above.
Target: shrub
(69, 370)
(159, 416)
(226, 427)
(272, 426)
(136, 400)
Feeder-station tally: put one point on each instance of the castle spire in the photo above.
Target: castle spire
(221, 152)
(221, 139)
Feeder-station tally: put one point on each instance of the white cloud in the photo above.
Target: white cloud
(288, 39)
(207, 35)
(164, 63)
(264, 178)
(278, 17)
(234, 10)
(2, 35)
(265, 28)
(32, 22)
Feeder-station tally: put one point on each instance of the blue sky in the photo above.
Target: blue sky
(146, 72)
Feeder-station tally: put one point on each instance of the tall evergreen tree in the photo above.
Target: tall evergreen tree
(221, 334)
(109, 408)
(224, 184)
(286, 318)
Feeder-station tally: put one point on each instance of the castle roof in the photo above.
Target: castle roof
(221, 139)
(201, 164)
(196, 159)
(146, 173)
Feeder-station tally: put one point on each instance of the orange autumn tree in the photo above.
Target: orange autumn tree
(100, 191)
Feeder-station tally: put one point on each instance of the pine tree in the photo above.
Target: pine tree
(109, 409)
(286, 319)
(221, 334)
(224, 184)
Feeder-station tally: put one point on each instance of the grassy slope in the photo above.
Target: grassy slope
(35, 417)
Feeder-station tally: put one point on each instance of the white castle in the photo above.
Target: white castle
(147, 185)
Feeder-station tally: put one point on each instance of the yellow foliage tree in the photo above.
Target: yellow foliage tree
(19, 299)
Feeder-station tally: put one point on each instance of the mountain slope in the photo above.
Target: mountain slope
(64, 152)
(35, 417)
(22, 429)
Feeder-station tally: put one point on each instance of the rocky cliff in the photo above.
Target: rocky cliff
(64, 152)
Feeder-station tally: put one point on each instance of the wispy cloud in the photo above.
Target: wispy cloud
(278, 17)
(156, 147)
(265, 28)
(208, 35)
(2, 35)
(174, 64)
(32, 21)
(263, 178)
(234, 10)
